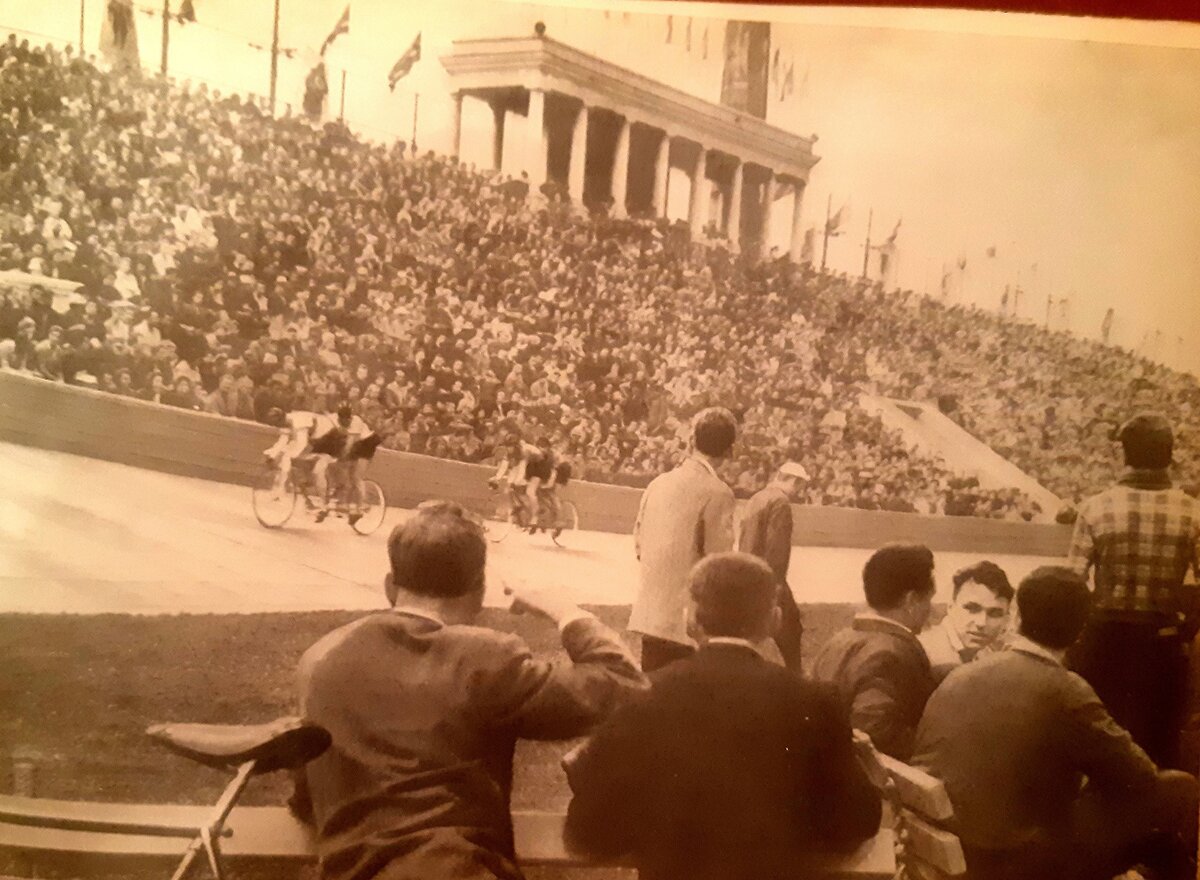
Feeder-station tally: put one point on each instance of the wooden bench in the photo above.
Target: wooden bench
(83, 831)
(927, 847)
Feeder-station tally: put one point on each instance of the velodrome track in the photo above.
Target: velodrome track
(83, 536)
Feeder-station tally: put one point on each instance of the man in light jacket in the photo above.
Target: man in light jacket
(685, 515)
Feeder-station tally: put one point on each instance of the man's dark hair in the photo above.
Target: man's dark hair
(987, 573)
(1053, 602)
(1148, 441)
(734, 594)
(714, 431)
(895, 570)
(438, 553)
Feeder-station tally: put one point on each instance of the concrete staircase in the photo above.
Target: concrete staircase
(924, 427)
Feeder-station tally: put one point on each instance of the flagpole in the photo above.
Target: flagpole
(825, 245)
(274, 56)
(416, 104)
(867, 246)
(82, 3)
(166, 33)
(342, 105)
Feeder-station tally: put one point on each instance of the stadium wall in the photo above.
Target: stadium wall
(91, 423)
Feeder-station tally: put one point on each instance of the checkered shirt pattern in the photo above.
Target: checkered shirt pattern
(1140, 543)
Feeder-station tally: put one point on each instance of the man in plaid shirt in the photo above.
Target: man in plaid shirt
(1140, 537)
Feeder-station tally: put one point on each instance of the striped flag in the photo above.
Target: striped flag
(405, 63)
(342, 27)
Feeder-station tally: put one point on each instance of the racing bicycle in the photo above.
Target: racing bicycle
(512, 513)
(274, 508)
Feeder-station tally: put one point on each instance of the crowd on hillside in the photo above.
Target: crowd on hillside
(235, 263)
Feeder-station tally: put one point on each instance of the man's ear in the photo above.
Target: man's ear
(389, 589)
(776, 622)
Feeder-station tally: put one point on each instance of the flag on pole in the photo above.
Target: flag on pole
(788, 85)
(842, 216)
(405, 63)
(1106, 326)
(342, 27)
(891, 239)
(118, 35)
(187, 12)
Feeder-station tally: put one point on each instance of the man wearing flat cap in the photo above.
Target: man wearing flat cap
(767, 533)
(1138, 539)
(685, 515)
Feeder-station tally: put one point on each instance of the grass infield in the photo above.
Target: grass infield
(78, 691)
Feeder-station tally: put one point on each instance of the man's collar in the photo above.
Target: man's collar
(704, 463)
(1150, 479)
(731, 642)
(1033, 649)
(422, 613)
(956, 642)
(871, 620)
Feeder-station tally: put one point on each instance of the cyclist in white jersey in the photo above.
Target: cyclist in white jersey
(306, 433)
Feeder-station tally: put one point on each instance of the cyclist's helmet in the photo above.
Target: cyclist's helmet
(276, 417)
(344, 413)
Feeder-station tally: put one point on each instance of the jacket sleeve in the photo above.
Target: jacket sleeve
(878, 709)
(718, 522)
(1083, 546)
(850, 808)
(1107, 754)
(553, 699)
(777, 549)
(605, 779)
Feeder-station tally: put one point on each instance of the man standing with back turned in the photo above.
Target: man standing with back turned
(767, 533)
(685, 515)
(1140, 537)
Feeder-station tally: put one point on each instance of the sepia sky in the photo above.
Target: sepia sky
(1081, 157)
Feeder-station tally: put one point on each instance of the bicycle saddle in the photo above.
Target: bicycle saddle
(284, 742)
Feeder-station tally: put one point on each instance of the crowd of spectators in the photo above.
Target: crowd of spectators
(233, 262)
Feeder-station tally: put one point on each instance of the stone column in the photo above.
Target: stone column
(536, 145)
(734, 227)
(768, 210)
(579, 138)
(620, 169)
(456, 125)
(698, 206)
(797, 245)
(662, 175)
(498, 113)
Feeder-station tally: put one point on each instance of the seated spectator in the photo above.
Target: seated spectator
(877, 665)
(975, 620)
(1044, 783)
(729, 767)
(425, 709)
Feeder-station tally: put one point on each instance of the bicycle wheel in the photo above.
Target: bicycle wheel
(373, 507)
(568, 520)
(500, 524)
(272, 507)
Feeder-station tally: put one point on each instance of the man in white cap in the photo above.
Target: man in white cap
(767, 533)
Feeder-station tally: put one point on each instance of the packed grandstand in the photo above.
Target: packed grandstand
(234, 263)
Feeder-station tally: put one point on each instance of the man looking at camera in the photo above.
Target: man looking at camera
(974, 622)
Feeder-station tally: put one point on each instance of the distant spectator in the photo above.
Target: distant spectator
(730, 767)
(877, 665)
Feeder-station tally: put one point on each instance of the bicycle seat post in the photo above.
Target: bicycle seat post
(209, 835)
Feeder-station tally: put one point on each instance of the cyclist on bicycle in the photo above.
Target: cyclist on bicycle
(516, 456)
(304, 435)
(359, 443)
